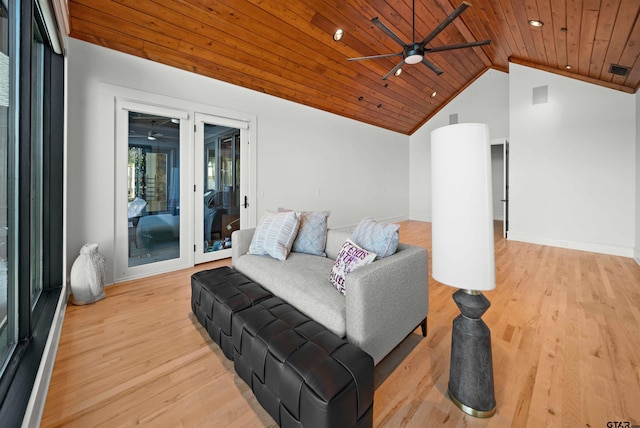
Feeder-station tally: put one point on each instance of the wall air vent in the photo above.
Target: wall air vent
(618, 70)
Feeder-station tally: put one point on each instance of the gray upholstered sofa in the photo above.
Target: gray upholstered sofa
(384, 302)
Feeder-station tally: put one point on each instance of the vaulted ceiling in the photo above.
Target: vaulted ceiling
(286, 48)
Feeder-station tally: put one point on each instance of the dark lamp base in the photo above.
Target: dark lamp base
(471, 369)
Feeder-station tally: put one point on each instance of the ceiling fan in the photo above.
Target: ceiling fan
(414, 52)
(151, 136)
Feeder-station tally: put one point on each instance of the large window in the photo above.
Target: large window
(31, 153)
(7, 324)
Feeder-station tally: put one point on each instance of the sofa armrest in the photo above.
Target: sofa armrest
(240, 243)
(387, 299)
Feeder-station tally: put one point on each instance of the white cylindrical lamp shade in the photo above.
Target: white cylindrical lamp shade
(462, 207)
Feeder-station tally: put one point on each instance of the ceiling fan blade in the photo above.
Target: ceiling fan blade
(458, 46)
(446, 22)
(388, 32)
(393, 70)
(375, 56)
(432, 67)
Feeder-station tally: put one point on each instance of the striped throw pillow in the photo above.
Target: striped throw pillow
(275, 234)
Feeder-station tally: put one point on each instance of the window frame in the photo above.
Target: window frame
(34, 325)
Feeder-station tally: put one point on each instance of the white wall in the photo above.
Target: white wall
(572, 164)
(485, 101)
(307, 159)
(636, 254)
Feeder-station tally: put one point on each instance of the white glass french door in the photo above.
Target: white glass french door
(221, 196)
(153, 203)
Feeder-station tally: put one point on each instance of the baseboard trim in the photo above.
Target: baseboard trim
(573, 245)
(35, 407)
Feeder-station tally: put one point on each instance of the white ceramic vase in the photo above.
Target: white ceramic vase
(87, 276)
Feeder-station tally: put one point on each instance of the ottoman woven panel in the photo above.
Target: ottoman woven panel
(300, 372)
(216, 295)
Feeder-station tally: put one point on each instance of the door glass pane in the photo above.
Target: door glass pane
(221, 186)
(153, 186)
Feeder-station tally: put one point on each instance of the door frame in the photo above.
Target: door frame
(122, 270)
(504, 142)
(112, 94)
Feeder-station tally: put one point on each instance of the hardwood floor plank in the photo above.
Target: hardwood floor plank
(565, 329)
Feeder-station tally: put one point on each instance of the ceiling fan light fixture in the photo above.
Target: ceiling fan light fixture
(536, 23)
(398, 72)
(337, 36)
(413, 59)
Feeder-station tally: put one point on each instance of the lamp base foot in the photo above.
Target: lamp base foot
(471, 411)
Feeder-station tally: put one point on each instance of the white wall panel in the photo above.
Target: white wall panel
(307, 159)
(485, 101)
(636, 254)
(573, 163)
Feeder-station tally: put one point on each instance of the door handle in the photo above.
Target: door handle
(246, 202)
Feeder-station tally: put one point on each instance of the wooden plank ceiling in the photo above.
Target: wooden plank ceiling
(286, 49)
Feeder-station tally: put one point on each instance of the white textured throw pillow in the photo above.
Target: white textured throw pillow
(275, 234)
(312, 234)
(381, 238)
(350, 258)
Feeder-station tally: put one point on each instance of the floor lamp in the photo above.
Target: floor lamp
(463, 255)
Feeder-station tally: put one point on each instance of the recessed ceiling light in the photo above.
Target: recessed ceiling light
(398, 72)
(568, 67)
(338, 34)
(433, 94)
(536, 23)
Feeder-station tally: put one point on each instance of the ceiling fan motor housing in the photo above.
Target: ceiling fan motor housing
(413, 53)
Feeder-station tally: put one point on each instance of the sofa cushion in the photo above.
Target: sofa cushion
(379, 238)
(300, 280)
(275, 234)
(350, 258)
(335, 239)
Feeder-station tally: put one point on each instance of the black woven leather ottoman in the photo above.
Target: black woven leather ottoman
(300, 372)
(216, 295)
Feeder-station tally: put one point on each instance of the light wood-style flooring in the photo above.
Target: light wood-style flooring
(565, 338)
